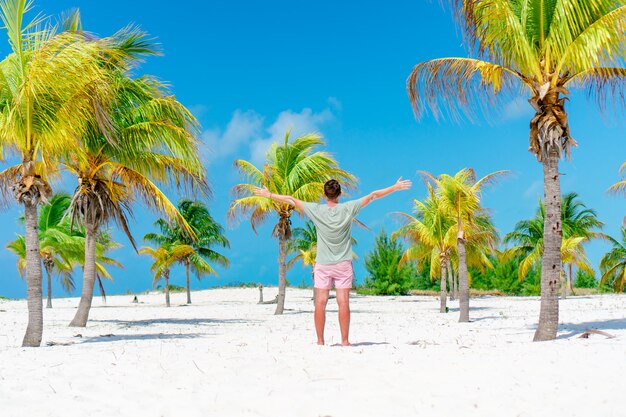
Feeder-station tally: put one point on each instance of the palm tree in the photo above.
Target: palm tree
(58, 248)
(613, 264)
(577, 222)
(163, 260)
(460, 196)
(430, 235)
(154, 145)
(49, 85)
(291, 168)
(208, 234)
(304, 245)
(544, 47)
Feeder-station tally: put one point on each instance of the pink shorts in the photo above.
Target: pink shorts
(341, 274)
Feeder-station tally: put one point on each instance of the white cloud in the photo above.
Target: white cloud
(242, 128)
(247, 130)
(534, 190)
(306, 121)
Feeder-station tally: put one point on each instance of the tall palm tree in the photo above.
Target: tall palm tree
(291, 168)
(208, 234)
(546, 48)
(613, 264)
(50, 84)
(460, 195)
(153, 146)
(431, 238)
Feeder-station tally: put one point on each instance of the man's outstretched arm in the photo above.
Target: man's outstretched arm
(287, 199)
(399, 185)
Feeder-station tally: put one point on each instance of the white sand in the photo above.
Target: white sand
(227, 356)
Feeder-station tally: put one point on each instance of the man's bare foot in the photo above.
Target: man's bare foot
(346, 343)
(320, 343)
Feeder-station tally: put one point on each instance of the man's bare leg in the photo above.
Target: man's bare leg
(343, 301)
(321, 299)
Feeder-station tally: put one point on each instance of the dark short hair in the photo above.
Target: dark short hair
(332, 189)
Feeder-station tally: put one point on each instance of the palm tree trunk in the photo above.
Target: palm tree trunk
(167, 288)
(282, 274)
(49, 277)
(463, 281)
(551, 260)
(570, 279)
(188, 286)
(442, 293)
(89, 275)
(34, 330)
(452, 280)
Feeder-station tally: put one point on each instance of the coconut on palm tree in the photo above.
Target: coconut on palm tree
(295, 169)
(51, 83)
(613, 263)
(200, 253)
(546, 48)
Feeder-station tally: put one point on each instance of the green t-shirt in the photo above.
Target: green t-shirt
(334, 230)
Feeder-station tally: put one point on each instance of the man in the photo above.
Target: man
(333, 263)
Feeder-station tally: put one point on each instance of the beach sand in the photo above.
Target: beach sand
(226, 356)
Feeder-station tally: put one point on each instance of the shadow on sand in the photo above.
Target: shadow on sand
(179, 321)
(574, 329)
(145, 336)
(358, 344)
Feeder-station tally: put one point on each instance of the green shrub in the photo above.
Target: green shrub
(385, 275)
(585, 280)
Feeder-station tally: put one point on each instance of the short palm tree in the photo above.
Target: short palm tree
(304, 245)
(460, 196)
(163, 260)
(208, 234)
(154, 146)
(50, 84)
(546, 48)
(431, 239)
(294, 168)
(578, 224)
(613, 264)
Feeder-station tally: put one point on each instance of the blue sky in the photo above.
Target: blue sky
(249, 70)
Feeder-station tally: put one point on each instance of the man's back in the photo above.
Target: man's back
(334, 230)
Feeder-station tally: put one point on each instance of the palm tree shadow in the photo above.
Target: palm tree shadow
(144, 336)
(182, 321)
(573, 329)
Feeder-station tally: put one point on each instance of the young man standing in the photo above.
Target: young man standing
(333, 263)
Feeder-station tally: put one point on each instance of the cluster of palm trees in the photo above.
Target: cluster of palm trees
(450, 230)
(68, 102)
(542, 48)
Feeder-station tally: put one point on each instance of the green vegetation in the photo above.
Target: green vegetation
(386, 275)
(196, 253)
